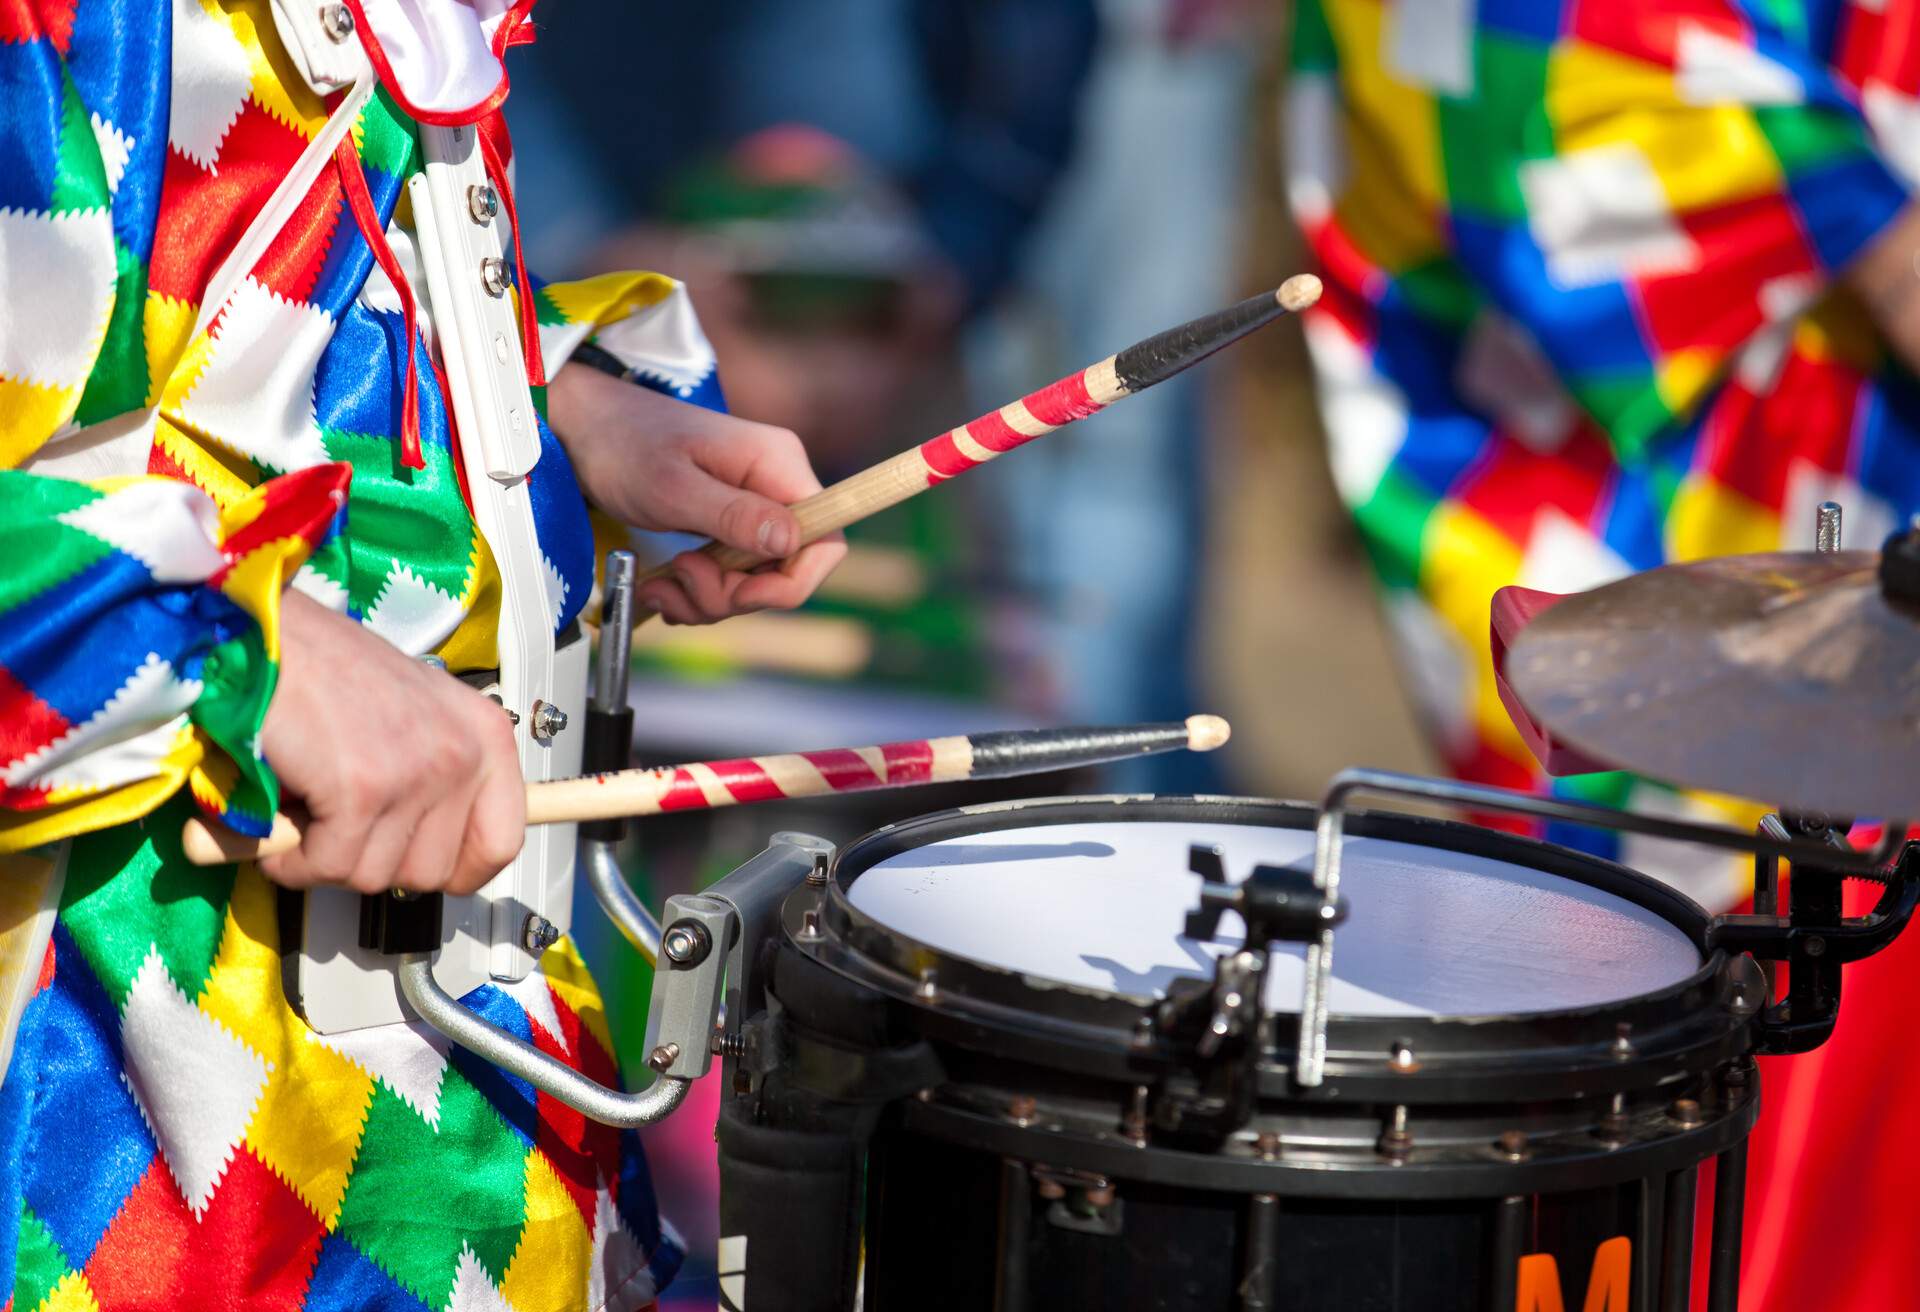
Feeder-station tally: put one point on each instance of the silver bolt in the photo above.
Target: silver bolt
(817, 877)
(664, 1056)
(483, 202)
(541, 934)
(927, 990)
(1401, 1058)
(548, 720)
(336, 20)
(810, 924)
(1622, 1047)
(680, 944)
(1826, 527)
(493, 275)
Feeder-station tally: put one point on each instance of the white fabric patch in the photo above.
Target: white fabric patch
(122, 741)
(1430, 44)
(1434, 664)
(378, 292)
(664, 342)
(196, 1082)
(1504, 372)
(256, 394)
(1716, 882)
(473, 1289)
(1715, 69)
(310, 582)
(1366, 413)
(1600, 214)
(212, 78)
(1562, 556)
(440, 53)
(1895, 120)
(61, 265)
(409, 1058)
(617, 1279)
(1316, 163)
(169, 527)
(115, 147)
(412, 614)
(556, 590)
(1781, 300)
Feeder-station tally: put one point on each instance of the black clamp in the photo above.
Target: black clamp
(1278, 903)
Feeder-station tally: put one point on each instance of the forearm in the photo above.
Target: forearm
(1887, 278)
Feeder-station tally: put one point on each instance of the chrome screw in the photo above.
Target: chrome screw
(493, 275)
(548, 720)
(680, 944)
(483, 202)
(541, 934)
(336, 20)
(663, 1056)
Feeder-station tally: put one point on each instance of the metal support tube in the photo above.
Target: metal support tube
(616, 633)
(1509, 1238)
(491, 1044)
(1729, 1215)
(1262, 1267)
(1016, 1212)
(1676, 1253)
(601, 868)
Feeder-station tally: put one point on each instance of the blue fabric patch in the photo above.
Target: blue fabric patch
(509, 1095)
(120, 62)
(356, 385)
(640, 1211)
(1535, 20)
(1844, 204)
(705, 394)
(90, 1144)
(1583, 330)
(560, 521)
(345, 1280)
(31, 90)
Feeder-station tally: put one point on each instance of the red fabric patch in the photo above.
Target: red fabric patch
(293, 261)
(1750, 444)
(746, 781)
(1063, 402)
(31, 20)
(206, 213)
(1880, 47)
(47, 966)
(26, 723)
(1717, 304)
(301, 504)
(908, 763)
(254, 1249)
(1511, 482)
(1653, 32)
(584, 1153)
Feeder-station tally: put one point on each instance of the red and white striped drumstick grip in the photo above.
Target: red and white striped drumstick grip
(706, 784)
(1091, 390)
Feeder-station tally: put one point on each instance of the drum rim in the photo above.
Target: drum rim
(1104, 1030)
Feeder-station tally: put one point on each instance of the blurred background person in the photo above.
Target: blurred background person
(1610, 285)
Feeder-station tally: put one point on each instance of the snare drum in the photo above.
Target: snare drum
(1530, 1054)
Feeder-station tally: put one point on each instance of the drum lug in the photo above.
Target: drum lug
(1080, 1201)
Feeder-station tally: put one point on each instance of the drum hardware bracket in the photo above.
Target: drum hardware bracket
(1733, 933)
(1081, 1201)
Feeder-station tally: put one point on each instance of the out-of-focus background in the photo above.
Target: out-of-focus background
(894, 215)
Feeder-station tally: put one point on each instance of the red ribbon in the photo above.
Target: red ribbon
(353, 182)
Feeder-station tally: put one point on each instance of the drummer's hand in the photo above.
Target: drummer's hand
(409, 776)
(662, 464)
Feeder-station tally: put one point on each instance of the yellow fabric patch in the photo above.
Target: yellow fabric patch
(212, 780)
(29, 414)
(1464, 561)
(1703, 155)
(73, 811)
(609, 297)
(567, 975)
(555, 1247)
(166, 323)
(1392, 225)
(1710, 519)
(71, 1293)
(475, 643)
(214, 472)
(308, 1123)
(1397, 115)
(277, 87)
(1685, 376)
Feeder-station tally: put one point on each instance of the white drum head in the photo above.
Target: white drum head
(1430, 932)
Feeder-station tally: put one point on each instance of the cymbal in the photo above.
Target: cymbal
(1788, 678)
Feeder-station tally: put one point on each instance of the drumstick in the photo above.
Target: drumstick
(1076, 396)
(705, 784)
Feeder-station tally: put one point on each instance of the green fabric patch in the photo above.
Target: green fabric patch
(1626, 405)
(1804, 136)
(41, 552)
(400, 516)
(1312, 49)
(1393, 522)
(1438, 291)
(1486, 137)
(118, 383)
(1608, 788)
(80, 179)
(388, 140)
(237, 682)
(419, 1194)
(39, 1264)
(129, 891)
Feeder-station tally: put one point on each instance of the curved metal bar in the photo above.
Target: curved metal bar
(601, 867)
(590, 1098)
(1329, 836)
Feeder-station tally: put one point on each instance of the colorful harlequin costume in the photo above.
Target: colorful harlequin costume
(219, 374)
(1581, 319)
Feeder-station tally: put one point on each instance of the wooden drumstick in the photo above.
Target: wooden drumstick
(1076, 396)
(705, 784)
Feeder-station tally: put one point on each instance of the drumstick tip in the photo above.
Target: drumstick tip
(1206, 732)
(1298, 292)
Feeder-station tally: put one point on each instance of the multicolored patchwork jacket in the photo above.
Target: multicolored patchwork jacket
(214, 383)
(1581, 313)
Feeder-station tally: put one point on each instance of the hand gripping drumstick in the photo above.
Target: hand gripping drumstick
(1076, 396)
(706, 784)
